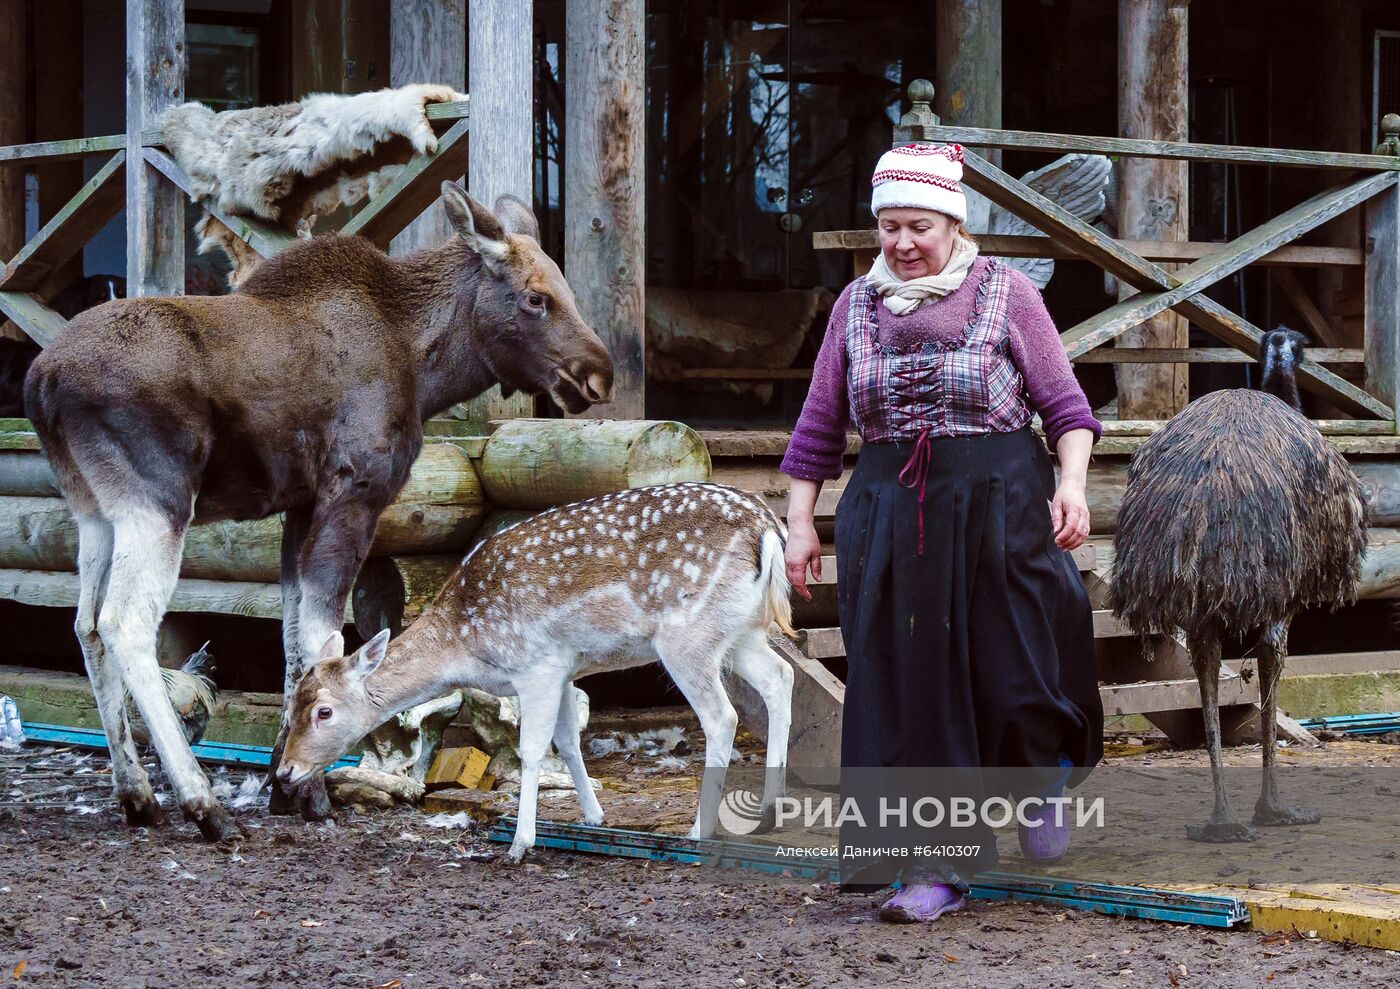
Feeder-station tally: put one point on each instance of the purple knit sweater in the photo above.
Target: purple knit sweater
(819, 440)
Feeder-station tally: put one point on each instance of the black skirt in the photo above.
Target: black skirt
(976, 654)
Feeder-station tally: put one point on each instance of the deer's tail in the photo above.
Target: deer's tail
(772, 576)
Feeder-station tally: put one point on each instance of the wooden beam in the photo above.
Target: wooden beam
(14, 98)
(1036, 246)
(604, 183)
(413, 190)
(1152, 697)
(266, 238)
(1208, 355)
(1321, 331)
(500, 65)
(58, 111)
(32, 315)
(83, 147)
(155, 211)
(63, 237)
(1382, 300)
(967, 64)
(1200, 275)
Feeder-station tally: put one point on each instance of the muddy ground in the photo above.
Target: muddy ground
(389, 901)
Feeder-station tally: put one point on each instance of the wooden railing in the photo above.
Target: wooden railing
(26, 282)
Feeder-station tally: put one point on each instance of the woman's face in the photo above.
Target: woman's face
(915, 242)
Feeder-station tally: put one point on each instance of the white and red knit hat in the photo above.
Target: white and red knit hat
(921, 176)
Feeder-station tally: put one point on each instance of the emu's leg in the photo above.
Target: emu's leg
(769, 674)
(131, 785)
(1204, 645)
(566, 740)
(146, 547)
(541, 700)
(294, 527)
(1269, 812)
(694, 665)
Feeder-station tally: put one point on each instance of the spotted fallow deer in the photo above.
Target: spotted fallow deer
(689, 574)
(304, 392)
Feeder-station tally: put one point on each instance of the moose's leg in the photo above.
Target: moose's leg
(566, 740)
(541, 698)
(146, 547)
(283, 801)
(694, 665)
(337, 541)
(131, 785)
(1204, 646)
(1269, 811)
(758, 665)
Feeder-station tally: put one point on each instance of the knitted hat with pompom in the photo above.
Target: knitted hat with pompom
(921, 176)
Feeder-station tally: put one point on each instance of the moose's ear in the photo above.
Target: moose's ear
(332, 648)
(367, 659)
(516, 216)
(474, 223)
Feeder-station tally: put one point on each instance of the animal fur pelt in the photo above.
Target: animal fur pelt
(288, 164)
(1237, 511)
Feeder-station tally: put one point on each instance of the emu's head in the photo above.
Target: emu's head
(1280, 353)
(524, 322)
(332, 708)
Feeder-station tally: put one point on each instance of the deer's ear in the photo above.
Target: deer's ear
(332, 648)
(367, 659)
(475, 224)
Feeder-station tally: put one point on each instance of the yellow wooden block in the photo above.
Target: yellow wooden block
(464, 767)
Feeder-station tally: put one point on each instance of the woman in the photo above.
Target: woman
(968, 632)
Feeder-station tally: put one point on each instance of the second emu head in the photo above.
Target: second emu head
(1280, 353)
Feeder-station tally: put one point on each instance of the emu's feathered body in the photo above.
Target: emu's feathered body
(1239, 512)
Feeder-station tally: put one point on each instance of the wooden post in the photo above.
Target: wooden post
(967, 73)
(58, 112)
(1152, 202)
(155, 209)
(1382, 253)
(604, 223)
(13, 93)
(501, 150)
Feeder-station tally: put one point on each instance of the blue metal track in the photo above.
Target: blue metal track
(1119, 901)
(1355, 724)
(225, 753)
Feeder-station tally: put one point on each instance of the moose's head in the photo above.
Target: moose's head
(525, 323)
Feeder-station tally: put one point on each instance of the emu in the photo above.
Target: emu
(303, 393)
(690, 574)
(1238, 515)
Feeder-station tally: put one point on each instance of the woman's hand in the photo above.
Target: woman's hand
(804, 549)
(1069, 513)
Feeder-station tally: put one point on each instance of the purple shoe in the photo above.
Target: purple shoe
(1048, 840)
(922, 903)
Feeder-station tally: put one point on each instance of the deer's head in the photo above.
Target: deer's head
(332, 708)
(524, 321)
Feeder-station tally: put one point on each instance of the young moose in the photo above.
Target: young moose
(690, 574)
(304, 393)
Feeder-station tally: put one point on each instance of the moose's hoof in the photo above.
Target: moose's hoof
(215, 823)
(1282, 817)
(1221, 832)
(142, 810)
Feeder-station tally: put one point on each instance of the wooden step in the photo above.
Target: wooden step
(827, 643)
(1155, 696)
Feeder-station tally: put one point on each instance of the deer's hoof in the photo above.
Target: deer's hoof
(215, 823)
(1282, 817)
(1221, 832)
(517, 853)
(315, 804)
(142, 810)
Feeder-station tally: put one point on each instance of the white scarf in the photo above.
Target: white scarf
(903, 297)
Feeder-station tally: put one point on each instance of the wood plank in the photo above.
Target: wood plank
(1107, 626)
(267, 239)
(1172, 695)
(814, 740)
(14, 120)
(72, 227)
(1351, 446)
(1200, 275)
(1333, 427)
(822, 643)
(757, 442)
(83, 147)
(446, 112)
(1208, 355)
(1382, 297)
(1040, 246)
(1013, 140)
(413, 190)
(155, 210)
(741, 374)
(605, 184)
(1316, 324)
(32, 315)
(1328, 664)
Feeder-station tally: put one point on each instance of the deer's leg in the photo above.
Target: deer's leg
(758, 665)
(1269, 811)
(294, 527)
(146, 548)
(130, 783)
(694, 664)
(566, 740)
(541, 698)
(1204, 646)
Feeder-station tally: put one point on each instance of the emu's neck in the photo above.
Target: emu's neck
(426, 661)
(439, 280)
(1280, 379)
